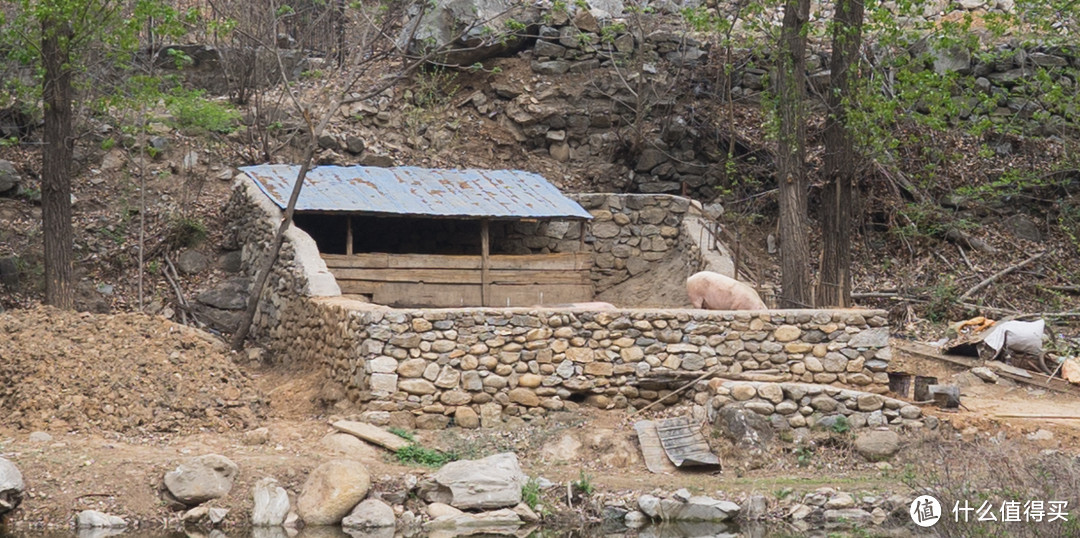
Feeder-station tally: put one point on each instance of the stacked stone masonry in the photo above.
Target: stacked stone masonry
(474, 365)
(804, 405)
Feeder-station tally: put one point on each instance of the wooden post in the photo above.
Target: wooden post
(485, 291)
(581, 235)
(348, 236)
(735, 257)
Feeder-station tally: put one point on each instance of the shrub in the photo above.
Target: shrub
(192, 109)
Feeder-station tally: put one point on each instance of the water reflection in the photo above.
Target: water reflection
(667, 530)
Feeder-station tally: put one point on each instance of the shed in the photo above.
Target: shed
(421, 237)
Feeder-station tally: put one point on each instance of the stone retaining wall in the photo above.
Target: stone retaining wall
(803, 405)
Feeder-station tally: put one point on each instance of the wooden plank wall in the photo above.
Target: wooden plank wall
(423, 280)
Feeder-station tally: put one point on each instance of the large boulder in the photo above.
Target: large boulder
(271, 503)
(11, 486)
(331, 491)
(877, 445)
(468, 31)
(231, 294)
(492, 482)
(201, 479)
(370, 514)
(9, 177)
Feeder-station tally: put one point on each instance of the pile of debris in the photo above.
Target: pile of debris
(127, 373)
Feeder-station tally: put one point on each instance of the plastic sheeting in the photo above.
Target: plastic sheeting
(1017, 336)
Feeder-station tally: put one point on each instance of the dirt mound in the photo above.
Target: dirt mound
(127, 373)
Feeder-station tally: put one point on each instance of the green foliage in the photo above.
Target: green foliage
(8, 142)
(403, 433)
(192, 109)
(415, 454)
(108, 143)
(186, 232)
(530, 493)
(583, 483)
(841, 425)
(803, 455)
(942, 296)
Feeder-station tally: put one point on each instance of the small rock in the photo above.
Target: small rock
(877, 445)
(201, 479)
(437, 510)
(191, 262)
(839, 501)
(985, 374)
(370, 514)
(649, 505)
(40, 437)
(92, 519)
(635, 519)
(1040, 435)
(9, 177)
(271, 503)
(525, 513)
(258, 436)
(757, 507)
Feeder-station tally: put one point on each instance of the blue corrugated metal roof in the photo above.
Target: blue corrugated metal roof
(407, 190)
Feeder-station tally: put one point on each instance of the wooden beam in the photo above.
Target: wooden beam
(348, 236)
(581, 235)
(464, 276)
(485, 263)
(559, 261)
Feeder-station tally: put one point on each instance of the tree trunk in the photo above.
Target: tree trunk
(55, 157)
(791, 169)
(839, 163)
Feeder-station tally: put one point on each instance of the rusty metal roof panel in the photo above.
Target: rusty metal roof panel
(684, 443)
(408, 190)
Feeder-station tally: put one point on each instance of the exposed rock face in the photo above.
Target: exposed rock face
(11, 486)
(201, 479)
(331, 491)
(743, 426)
(472, 30)
(492, 482)
(271, 503)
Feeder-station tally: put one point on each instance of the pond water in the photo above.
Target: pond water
(680, 530)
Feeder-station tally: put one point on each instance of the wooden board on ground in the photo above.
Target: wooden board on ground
(684, 443)
(655, 459)
(372, 434)
(1035, 379)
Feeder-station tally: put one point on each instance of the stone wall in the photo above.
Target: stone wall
(468, 363)
(477, 365)
(803, 405)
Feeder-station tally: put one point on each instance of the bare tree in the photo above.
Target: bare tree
(791, 159)
(56, 37)
(840, 160)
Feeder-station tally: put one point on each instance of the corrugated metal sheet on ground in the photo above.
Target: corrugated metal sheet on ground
(684, 443)
(408, 190)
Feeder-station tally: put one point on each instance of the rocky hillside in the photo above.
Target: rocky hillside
(603, 99)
